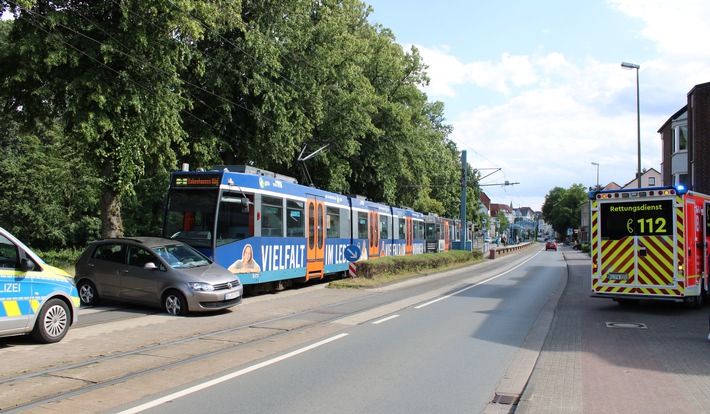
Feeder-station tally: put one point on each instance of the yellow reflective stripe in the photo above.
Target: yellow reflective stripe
(34, 304)
(11, 308)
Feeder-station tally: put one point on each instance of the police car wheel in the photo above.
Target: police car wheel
(87, 293)
(175, 303)
(52, 322)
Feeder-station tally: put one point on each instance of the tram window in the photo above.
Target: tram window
(361, 225)
(431, 231)
(233, 222)
(402, 222)
(295, 221)
(190, 215)
(345, 224)
(311, 225)
(332, 222)
(384, 227)
(419, 230)
(271, 216)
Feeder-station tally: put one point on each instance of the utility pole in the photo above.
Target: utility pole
(464, 222)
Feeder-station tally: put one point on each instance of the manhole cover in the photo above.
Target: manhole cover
(626, 325)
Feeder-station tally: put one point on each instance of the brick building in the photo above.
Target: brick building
(686, 143)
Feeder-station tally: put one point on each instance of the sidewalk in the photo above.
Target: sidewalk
(600, 357)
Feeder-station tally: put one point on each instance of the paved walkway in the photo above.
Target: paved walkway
(600, 357)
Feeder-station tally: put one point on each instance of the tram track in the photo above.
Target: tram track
(98, 362)
(76, 382)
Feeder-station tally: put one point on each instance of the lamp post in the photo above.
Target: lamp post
(597, 164)
(627, 65)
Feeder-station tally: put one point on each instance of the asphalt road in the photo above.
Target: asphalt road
(457, 347)
(443, 354)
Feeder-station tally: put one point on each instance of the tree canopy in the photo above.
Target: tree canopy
(111, 95)
(562, 207)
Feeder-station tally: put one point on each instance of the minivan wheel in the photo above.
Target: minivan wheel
(52, 322)
(175, 303)
(87, 293)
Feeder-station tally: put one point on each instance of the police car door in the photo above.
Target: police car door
(15, 289)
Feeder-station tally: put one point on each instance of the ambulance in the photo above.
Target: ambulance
(35, 298)
(650, 243)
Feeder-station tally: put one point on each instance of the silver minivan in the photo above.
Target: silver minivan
(155, 271)
(35, 298)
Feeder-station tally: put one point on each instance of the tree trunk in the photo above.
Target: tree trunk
(111, 222)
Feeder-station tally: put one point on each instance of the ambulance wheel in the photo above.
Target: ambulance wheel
(52, 322)
(87, 293)
(696, 302)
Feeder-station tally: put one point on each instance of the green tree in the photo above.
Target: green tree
(111, 71)
(138, 86)
(503, 221)
(562, 208)
(49, 196)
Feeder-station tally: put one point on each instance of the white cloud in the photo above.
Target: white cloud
(560, 119)
(544, 117)
(447, 71)
(676, 27)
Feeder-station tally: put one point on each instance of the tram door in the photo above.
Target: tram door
(374, 234)
(447, 236)
(315, 238)
(408, 235)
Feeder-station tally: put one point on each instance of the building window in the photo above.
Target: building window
(651, 181)
(680, 179)
(680, 138)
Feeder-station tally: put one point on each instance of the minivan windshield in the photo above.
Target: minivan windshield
(181, 256)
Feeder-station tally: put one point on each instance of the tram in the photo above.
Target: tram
(268, 228)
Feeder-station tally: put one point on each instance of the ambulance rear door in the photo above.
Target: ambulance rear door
(638, 245)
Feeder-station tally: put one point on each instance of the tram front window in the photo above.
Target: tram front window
(190, 216)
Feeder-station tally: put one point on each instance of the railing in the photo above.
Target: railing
(503, 250)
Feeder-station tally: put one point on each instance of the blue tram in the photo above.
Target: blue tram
(268, 228)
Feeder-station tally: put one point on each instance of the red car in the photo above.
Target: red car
(551, 244)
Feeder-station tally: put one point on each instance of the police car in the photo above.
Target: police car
(35, 298)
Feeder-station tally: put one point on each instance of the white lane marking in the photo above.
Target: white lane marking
(477, 284)
(228, 377)
(384, 319)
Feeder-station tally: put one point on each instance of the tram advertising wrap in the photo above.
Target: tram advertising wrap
(268, 228)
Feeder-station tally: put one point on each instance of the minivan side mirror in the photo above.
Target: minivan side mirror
(150, 266)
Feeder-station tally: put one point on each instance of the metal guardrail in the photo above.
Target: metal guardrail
(503, 250)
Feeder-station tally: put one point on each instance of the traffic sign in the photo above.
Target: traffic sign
(352, 253)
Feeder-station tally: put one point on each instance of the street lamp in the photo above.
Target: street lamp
(627, 65)
(597, 164)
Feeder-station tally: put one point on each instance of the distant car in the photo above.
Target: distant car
(551, 245)
(35, 298)
(155, 271)
(487, 239)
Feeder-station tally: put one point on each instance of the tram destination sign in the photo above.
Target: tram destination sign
(196, 180)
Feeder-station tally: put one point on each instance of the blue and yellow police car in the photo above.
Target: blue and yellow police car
(35, 298)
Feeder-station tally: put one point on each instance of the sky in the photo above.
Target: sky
(535, 90)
